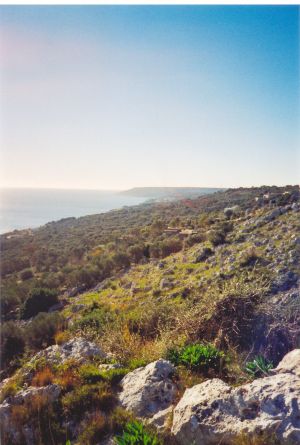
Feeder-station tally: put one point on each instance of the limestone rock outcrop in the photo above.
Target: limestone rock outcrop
(78, 349)
(149, 390)
(212, 412)
(9, 430)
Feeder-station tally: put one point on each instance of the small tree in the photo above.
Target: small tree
(39, 300)
(12, 342)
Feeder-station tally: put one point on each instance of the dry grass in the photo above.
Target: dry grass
(43, 377)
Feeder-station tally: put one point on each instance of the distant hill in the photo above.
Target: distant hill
(170, 192)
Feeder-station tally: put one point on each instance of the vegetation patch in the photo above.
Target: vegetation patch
(197, 357)
(136, 434)
(258, 367)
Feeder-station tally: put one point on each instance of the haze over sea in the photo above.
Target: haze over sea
(31, 208)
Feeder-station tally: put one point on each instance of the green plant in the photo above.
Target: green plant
(89, 373)
(12, 342)
(135, 363)
(41, 331)
(86, 397)
(249, 258)
(94, 428)
(114, 376)
(197, 357)
(258, 366)
(136, 434)
(39, 300)
(95, 317)
(216, 237)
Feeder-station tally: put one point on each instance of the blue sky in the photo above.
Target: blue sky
(112, 97)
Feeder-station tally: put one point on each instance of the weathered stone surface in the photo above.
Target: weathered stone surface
(78, 349)
(212, 412)
(290, 363)
(9, 430)
(284, 281)
(148, 390)
(162, 420)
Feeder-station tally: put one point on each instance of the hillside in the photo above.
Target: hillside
(207, 284)
(170, 192)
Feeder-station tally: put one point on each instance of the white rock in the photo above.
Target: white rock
(213, 413)
(148, 390)
(162, 420)
(290, 363)
(9, 430)
(78, 349)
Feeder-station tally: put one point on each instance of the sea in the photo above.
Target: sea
(31, 208)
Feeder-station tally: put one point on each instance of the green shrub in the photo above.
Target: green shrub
(12, 342)
(135, 363)
(119, 419)
(216, 237)
(9, 303)
(41, 331)
(39, 300)
(258, 367)
(114, 376)
(89, 373)
(86, 397)
(94, 428)
(135, 434)
(249, 258)
(197, 357)
(95, 317)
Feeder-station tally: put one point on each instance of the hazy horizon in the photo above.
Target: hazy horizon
(116, 97)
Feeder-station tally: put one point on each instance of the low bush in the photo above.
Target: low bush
(43, 377)
(114, 376)
(12, 342)
(216, 237)
(10, 389)
(119, 419)
(197, 357)
(83, 398)
(249, 258)
(39, 300)
(95, 317)
(136, 434)
(94, 428)
(89, 373)
(41, 416)
(41, 331)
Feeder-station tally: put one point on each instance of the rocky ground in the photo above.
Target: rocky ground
(112, 361)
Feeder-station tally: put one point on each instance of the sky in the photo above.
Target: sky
(114, 97)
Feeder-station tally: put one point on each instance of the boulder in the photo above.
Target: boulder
(78, 349)
(9, 429)
(162, 420)
(148, 390)
(290, 363)
(212, 412)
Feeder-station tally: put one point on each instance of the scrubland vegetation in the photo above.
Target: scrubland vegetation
(206, 301)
